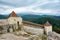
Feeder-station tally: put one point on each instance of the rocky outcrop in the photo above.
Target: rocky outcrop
(10, 36)
(53, 36)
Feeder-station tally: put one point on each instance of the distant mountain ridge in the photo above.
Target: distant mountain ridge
(3, 16)
(29, 15)
(38, 16)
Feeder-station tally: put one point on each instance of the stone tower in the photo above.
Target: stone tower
(14, 19)
(47, 27)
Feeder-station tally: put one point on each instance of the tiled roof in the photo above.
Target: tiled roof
(47, 24)
(13, 14)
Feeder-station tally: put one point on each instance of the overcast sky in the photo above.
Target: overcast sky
(51, 7)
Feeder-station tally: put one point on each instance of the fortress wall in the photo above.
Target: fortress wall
(34, 30)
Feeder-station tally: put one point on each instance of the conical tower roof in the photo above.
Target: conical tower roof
(13, 14)
(47, 24)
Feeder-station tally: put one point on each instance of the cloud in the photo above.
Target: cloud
(28, 9)
(18, 3)
(20, 6)
(4, 8)
(21, 9)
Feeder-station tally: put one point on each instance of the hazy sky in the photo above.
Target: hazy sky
(51, 7)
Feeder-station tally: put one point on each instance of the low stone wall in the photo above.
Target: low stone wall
(53, 36)
(34, 30)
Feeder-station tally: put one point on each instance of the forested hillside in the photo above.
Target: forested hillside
(54, 20)
(3, 16)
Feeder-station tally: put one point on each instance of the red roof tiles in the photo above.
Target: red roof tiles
(13, 14)
(47, 24)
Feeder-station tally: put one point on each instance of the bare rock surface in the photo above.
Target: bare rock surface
(9, 36)
(53, 36)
